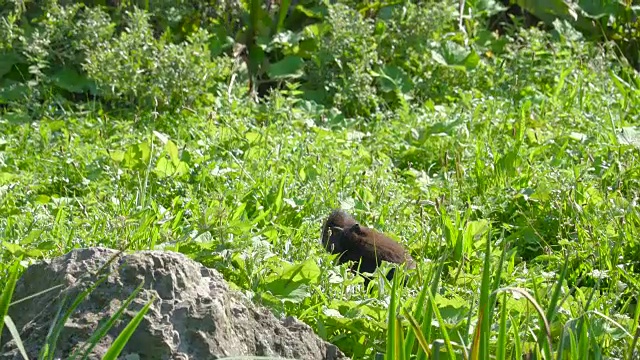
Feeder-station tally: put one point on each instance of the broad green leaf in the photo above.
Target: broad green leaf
(164, 168)
(15, 249)
(629, 136)
(287, 68)
(7, 60)
(11, 90)
(137, 156)
(392, 78)
(42, 199)
(472, 60)
(252, 137)
(117, 155)
(32, 236)
(164, 138)
(70, 80)
(173, 152)
(547, 10)
(181, 169)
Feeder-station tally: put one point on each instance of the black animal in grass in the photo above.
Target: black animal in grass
(366, 247)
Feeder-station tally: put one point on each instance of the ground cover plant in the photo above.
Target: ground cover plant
(507, 163)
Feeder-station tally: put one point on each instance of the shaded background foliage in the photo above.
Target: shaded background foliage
(344, 56)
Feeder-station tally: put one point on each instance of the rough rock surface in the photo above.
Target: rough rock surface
(194, 316)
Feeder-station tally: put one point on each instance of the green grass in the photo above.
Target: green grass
(514, 180)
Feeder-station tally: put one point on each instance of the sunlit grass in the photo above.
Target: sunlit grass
(515, 190)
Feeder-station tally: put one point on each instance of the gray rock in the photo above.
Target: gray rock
(195, 314)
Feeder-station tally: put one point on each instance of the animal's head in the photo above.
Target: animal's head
(333, 230)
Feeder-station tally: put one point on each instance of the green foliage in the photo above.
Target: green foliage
(66, 50)
(508, 163)
(597, 20)
(153, 74)
(46, 57)
(421, 41)
(340, 74)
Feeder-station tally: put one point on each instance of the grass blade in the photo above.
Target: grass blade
(480, 346)
(392, 345)
(428, 317)
(417, 333)
(7, 292)
(58, 325)
(445, 334)
(547, 328)
(123, 338)
(16, 336)
(102, 331)
(502, 333)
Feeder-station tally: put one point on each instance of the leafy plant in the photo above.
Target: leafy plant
(507, 162)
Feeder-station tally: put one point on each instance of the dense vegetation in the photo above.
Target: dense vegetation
(506, 161)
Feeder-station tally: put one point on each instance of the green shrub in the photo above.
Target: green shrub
(340, 73)
(44, 59)
(75, 50)
(152, 73)
(411, 35)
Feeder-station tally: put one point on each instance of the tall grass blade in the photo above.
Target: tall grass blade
(480, 346)
(123, 338)
(44, 352)
(417, 332)
(58, 325)
(583, 340)
(475, 344)
(428, 317)
(497, 277)
(399, 354)
(392, 345)
(501, 351)
(443, 327)
(16, 336)
(634, 343)
(517, 345)
(555, 296)
(547, 328)
(102, 331)
(7, 292)
(36, 294)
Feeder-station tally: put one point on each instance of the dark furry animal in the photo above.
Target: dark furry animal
(341, 234)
